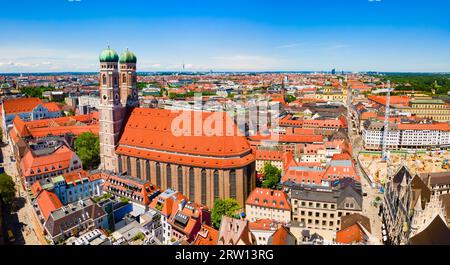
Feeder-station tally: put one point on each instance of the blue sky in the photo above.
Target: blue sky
(355, 35)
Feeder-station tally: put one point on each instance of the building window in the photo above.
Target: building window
(249, 179)
(169, 176)
(216, 184)
(138, 168)
(233, 184)
(191, 184)
(124, 78)
(180, 179)
(104, 79)
(128, 165)
(120, 164)
(158, 174)
(203, 187)
(147, 169)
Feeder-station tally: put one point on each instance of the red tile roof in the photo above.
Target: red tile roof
(64, 121)
(314, 175)
(367, 115)
(149, 131)
(20, 127)
(168, 205)
(394, 100)
(52, 106)
(310, 124)
(36, 188)
(424, 127)
(264, 224)
(269, 198)
(282, 237)
(271, 155)
(207, 236)
(58, 160)
(20, 105)
(62, 130)
(75, 125)
(349, 235)
(288, 138)
(73, 177)
(48, 202)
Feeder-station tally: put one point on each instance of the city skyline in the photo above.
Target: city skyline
(361, 35)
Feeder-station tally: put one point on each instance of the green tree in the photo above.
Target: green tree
(7, 189)
(87, 147)
(35, 92)
(290, 98)
(141, 85)
(228, 207)
(272, 176)
(172, 95)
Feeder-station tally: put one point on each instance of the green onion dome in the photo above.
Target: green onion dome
(109, 56)
(128, 57)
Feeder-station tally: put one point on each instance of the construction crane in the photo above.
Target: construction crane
(385, 155)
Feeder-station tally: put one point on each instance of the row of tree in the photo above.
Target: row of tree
(7, 189)
(437, 83)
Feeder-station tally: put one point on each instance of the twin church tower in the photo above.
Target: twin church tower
(118, 95)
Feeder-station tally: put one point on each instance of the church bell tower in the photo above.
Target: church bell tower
(128, 84)
(110, 108)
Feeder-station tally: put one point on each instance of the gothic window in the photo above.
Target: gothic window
(216, 184)
(158, 174)
(138, 168)
(147, 169)
(180, 179)
(233, 184)
(124, 78)
(249, 179)
(191, 184)
(128, 165)
(203, 186)
(104, 79)
(120, 164)
(168, 176)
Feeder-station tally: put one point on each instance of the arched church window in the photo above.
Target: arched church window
(169, 176)
(191, 184)
(158, 174)
(203, 183)
(233, 184)
(216, 184)
(180, 179)
(104, 79)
